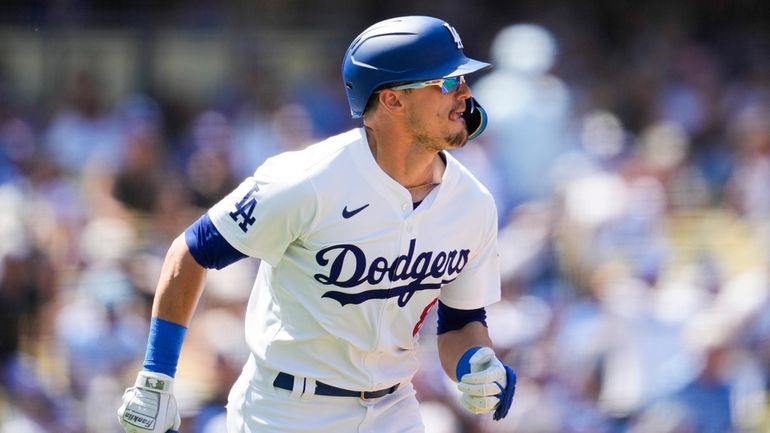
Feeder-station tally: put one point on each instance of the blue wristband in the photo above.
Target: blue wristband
(163, 346)
(464, 364)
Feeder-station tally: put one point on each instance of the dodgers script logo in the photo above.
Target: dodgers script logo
(405, 267)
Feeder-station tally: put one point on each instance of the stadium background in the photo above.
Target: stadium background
(628, 150)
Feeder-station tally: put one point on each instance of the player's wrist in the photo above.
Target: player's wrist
(164, 344)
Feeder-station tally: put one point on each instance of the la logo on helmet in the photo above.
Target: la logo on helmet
(455, 36)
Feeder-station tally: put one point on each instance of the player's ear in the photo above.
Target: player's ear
(391, 100)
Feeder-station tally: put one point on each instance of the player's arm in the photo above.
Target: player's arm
(180, 285)
(150, 406)
(465, 351)
(458, 331)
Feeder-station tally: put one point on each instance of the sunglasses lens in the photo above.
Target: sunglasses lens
(450, 84)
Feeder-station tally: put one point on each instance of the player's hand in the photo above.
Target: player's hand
(149, 406)
(488, 386)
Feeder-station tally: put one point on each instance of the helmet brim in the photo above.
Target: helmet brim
(468, 67)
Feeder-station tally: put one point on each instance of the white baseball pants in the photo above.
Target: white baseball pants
(256, 406)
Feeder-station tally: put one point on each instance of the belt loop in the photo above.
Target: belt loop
(298, 388)
(309, 391)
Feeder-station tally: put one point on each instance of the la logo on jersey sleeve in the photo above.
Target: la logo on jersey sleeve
(244, 209)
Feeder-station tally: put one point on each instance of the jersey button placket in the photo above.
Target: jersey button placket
(410, 227)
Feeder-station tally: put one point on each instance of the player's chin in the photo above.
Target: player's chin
(458, 135)
(457, 140)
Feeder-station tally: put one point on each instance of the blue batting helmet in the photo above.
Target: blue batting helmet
(398, 50)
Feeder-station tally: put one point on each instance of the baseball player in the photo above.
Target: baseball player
(359, 236)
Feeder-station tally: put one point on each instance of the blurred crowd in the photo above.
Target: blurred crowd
(634, 199)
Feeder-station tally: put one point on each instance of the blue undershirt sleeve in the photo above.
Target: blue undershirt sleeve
(208, 247)
(451, 319)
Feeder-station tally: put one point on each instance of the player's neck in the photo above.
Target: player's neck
(417, 170)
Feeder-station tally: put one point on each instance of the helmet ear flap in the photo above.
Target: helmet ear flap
(475, 118)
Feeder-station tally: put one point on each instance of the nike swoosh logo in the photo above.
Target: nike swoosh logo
(350, 213)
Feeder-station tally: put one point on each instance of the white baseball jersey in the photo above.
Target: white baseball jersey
(349, 269)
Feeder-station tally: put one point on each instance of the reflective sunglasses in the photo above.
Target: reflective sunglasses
(446, 84)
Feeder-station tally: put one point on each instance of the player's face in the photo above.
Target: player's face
(435, 116)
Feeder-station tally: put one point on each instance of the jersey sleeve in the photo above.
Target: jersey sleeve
(265, 213)
(478, 285)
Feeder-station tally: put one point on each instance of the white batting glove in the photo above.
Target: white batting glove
(149, 406)
(484, 384)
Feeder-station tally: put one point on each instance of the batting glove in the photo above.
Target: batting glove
(486, 383)
(149, 406)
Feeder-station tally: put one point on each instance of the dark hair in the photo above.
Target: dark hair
(371, 103)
